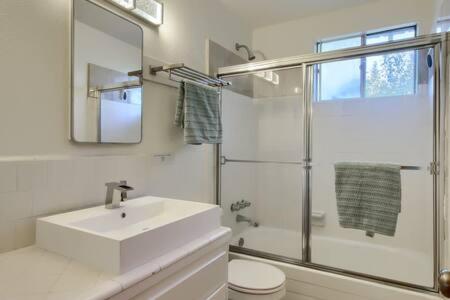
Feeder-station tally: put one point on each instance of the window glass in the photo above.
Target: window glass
(340, 80)
(374, 76)
(390, 35)
(390, 75)
(443, 26)
(340, 44)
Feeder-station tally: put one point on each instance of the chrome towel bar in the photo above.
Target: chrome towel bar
(412, 168)
(225, 160)
(182, 71)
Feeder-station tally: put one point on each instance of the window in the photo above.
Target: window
(443, 25)
(373, 76)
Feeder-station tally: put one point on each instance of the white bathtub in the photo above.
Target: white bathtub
(398, 264)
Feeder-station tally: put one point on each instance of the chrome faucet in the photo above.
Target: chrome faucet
(237, 206)
(116, 192)
(241, 218)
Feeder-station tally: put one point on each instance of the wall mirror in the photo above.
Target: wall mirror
(106, 98)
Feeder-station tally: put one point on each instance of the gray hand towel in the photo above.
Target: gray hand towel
(368, 196)
(198, 112)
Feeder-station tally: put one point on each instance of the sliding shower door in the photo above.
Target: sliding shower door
(374, 109)
(260, 170)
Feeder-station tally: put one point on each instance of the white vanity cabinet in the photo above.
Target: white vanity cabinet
(195, 278)
(148, 248)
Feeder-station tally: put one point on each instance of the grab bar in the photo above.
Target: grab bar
(225, 160)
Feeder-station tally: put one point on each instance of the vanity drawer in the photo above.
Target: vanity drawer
(204, 279)
(220, 294)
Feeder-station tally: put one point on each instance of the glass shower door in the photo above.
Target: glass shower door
(261, 171)
(387, 120)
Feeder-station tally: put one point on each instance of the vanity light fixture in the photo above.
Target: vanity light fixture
(148, 10)
(126, 4)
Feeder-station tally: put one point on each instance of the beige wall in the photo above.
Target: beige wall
(34, 55)
(34, 38)
(41, 171)
(299, 36)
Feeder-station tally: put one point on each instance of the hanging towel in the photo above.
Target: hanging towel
(198, 113)
(368, 196)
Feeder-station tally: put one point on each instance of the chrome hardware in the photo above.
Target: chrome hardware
(434, 168)
(184, 72)
(116, 192)
(237, 206)
(444, 283)
(162, 156)
(241, 218)
(440, 49)
(224, 160)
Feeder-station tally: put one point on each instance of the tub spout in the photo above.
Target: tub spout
(241, 218)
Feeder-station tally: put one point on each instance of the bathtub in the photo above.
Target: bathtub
(398, 264)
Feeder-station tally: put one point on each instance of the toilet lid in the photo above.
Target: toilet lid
(254, 276)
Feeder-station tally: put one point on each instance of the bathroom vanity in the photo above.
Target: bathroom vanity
(149, 248)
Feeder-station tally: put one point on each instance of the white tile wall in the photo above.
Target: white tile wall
(8, 177)
(30, 188)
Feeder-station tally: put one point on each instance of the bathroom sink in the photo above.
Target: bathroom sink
(118, 240)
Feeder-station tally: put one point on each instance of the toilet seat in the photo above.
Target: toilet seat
(255, 292)
(254, 278)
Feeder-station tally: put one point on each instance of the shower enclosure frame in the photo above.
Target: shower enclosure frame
(437, 168)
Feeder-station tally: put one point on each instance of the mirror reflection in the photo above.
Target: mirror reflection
(106, 97)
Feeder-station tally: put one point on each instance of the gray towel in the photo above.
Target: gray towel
(368, 196)
(198, 112)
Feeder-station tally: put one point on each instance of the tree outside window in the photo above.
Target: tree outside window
(386, 75)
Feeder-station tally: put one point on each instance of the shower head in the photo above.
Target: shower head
(251, 55)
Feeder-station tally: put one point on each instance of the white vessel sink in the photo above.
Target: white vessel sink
(118, 240)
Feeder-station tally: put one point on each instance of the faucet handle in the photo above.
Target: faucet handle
(244, 203)
(120, 186)
(112, 189)
(124, 188)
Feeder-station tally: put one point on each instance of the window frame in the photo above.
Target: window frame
(363, 65)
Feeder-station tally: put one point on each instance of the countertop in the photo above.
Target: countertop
(35, 274)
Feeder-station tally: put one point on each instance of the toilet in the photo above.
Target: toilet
(251, 280)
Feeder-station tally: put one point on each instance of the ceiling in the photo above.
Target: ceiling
(259, 13)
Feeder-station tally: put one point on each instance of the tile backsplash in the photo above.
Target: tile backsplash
(30, 188)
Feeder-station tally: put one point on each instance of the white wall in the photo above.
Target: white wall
(265, 127)
(299, 36)
(239, 180)
(392, 130)
(34, 114)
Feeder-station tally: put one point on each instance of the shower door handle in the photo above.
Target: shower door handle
(444, 283)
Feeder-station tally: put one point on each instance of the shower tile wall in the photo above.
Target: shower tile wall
(268, 126)
(351, 130)
(239, 142)
(264, 126)
(279, 187)
(38, 187)
(219, 56)
(279, 138)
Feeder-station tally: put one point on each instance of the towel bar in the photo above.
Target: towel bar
(225, 160)
(410, 168)
(182, 71)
